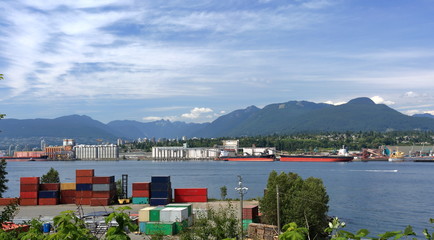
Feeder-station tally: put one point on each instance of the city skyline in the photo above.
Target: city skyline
(195, 61)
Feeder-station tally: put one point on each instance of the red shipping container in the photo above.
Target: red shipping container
(103, 194)
(82, 201)
(29, 180)
(67, 193)
(99, 202)
(85, 180)
(29, 187)
(187, 199)
(141, 193)
(48, 201)
(85, 172)
(83, 194)
(28, 202)
(7, 201)
(141, 186)
(250, 212)
(28, 195)
(103, 180)
(191, 191)
(49, 186)
(68, 200)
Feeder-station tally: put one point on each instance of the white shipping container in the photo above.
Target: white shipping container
(173, 214)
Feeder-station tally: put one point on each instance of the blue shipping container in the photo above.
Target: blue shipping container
(48, 194)
(160, 179)
(142, 227)
(161, 194)
(159, 201)
(83, 187)
(160, 186)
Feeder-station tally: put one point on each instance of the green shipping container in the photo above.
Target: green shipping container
(153, 228)
(189, 206)
(179, 226)
(246, 223)
(154, 214)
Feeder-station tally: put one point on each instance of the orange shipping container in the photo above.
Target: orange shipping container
(29, 180)
(86, 180)
(99, 202)
(49, 186)
(85, 173)
(28, 202)
(82, 201)
(83, 194)
(48, 201)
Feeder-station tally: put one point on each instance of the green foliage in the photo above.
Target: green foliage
(223, 192)
(35, 231)
(429, 236)
(304, 202)
(52, 176)
(9, 211)
(293, 232)
(3, 179)
(124, 222)
(216, 224)
(69, 226)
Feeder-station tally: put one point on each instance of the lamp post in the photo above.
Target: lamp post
(241, 190)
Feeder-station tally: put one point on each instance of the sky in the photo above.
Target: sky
(193, 61)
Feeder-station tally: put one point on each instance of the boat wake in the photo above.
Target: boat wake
(373, 170)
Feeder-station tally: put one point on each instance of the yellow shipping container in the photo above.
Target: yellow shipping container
(67, 186)
(144, 214)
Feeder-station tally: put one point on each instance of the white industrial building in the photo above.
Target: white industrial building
(184, 153)
(97, 152)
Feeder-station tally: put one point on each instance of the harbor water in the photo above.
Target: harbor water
(378, 196)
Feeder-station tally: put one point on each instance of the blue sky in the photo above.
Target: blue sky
(195, 60)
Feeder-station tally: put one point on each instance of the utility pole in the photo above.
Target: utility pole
(241, 190)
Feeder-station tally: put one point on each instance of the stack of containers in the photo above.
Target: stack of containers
(161, 190)
(29, 187)
(178, 215)
(250, 215)
(67, 193)
(104, 191)
(141, 192)
(49, 193)
(144, 217)
(185, 195)
(84, 180)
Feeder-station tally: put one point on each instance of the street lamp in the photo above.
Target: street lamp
(241, 190)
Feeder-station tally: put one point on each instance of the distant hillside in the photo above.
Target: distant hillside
(427, 115)
(360, 114)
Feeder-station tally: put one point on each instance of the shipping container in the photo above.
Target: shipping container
(154, 214)
(160, 179)
(103, 194)
(187, 199)
(67, 186)
(82, 201)
(156, 228)
(86, 180)
(189, 206)
(161, 186)
(83, 194)
(29, 187)
(84, 172)
(48, 194)
(49, 186)
(103, 187)
(140, 200)
(250, 212)
(83, 187)
(144, 214)
(173, 214)
(29, 180)
(103, 180)
(141, 193)
(161, 194)
(141, 186)
(191, 191)
(48, 201)
(159, 201)
(28, 202)
(100, 201)
(7, 201)
(142, 227)
(27, 195)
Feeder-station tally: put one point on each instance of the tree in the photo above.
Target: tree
(292, 232)
(69, 226)
(52, 176)
(214, 224)
(223, 192)
(3, 179)
(123, 222)
(304, 202)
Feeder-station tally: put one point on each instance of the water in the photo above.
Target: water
(379, 196)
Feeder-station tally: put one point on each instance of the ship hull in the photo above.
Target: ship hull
(270, 158)
(313, 158)
(24, 159)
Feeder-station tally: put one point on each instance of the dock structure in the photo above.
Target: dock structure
(184, 153)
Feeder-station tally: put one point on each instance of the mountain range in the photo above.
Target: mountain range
(360, 114)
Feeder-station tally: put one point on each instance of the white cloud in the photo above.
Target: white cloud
(196, 113)
(380, 100)
(334, 103)
(151, 119)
